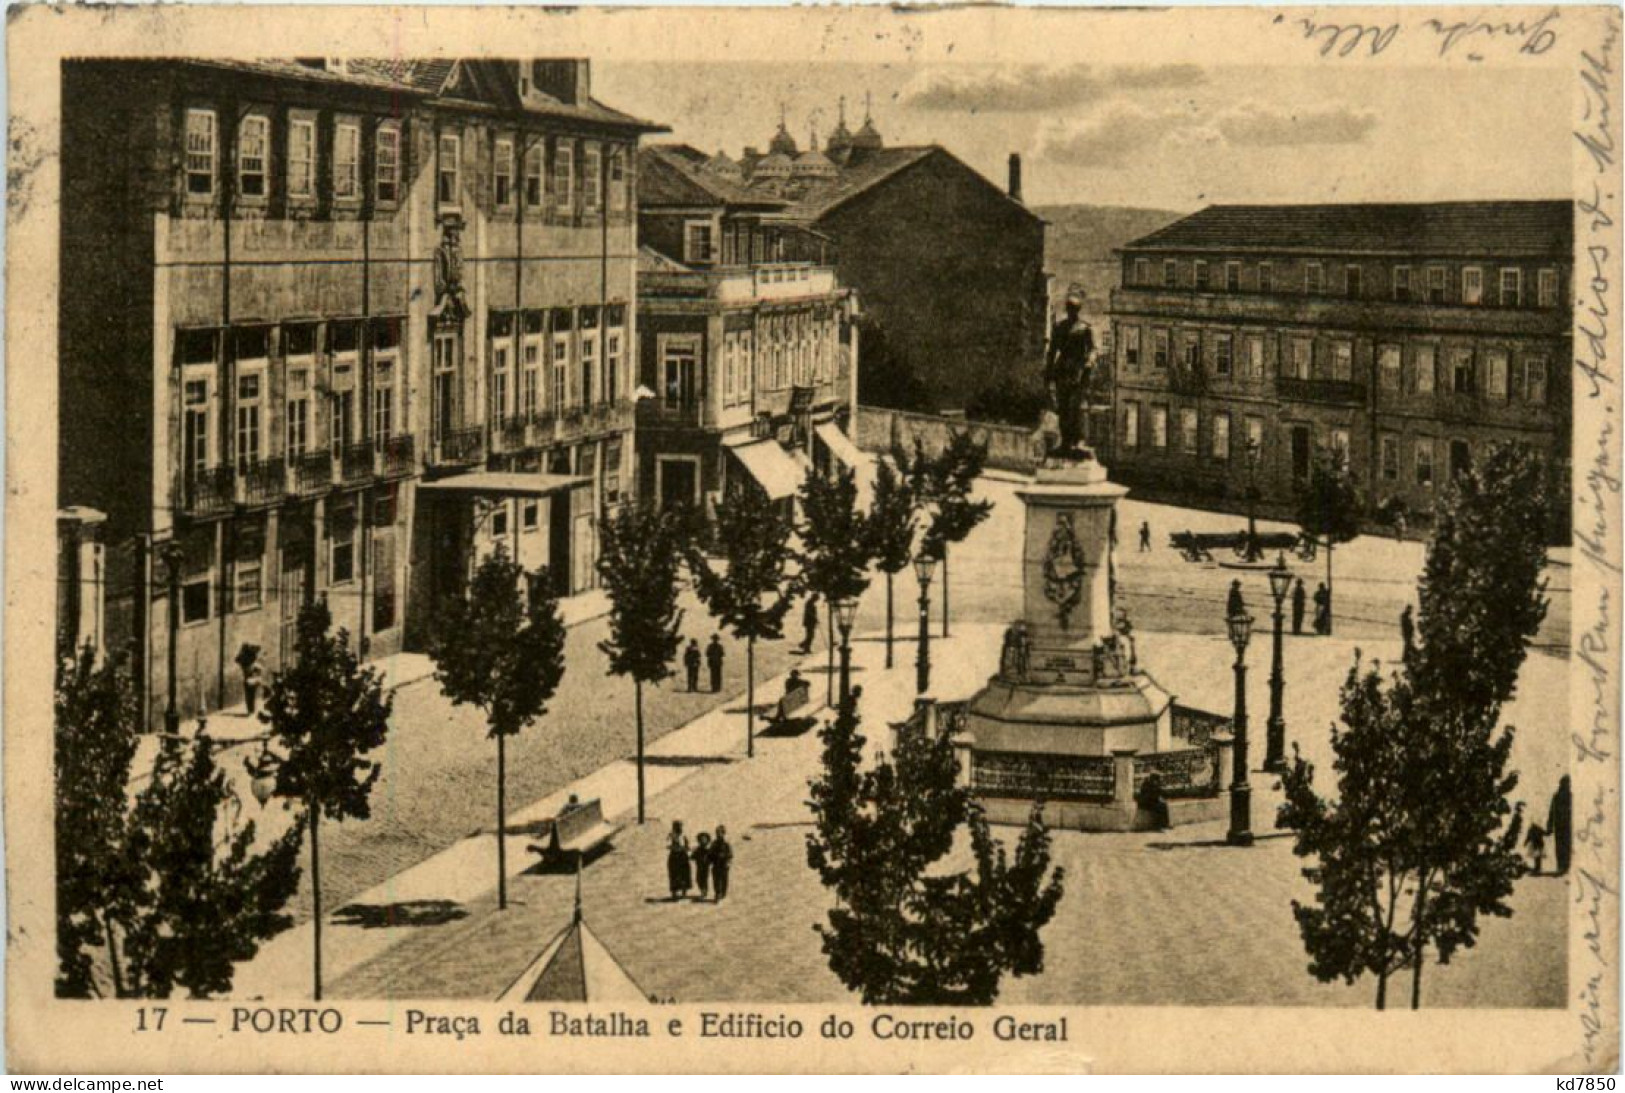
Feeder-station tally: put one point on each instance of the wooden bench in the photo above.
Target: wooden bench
(578, 830)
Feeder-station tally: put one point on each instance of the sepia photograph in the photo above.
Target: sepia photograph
(928, 539)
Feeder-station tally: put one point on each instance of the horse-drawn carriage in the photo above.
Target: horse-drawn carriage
(1200, 547)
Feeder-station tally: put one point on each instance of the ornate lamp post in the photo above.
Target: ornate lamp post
(1253, 551)
(1240, 626)
(846, 611)
(924, 566)
(1275, 727)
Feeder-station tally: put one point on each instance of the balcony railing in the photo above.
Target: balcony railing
(358, 462)
(207, 490)
(397, 455)
(513, 434)
(262, 482)
(310, 473)
(584, 422)
(1340, 392)
(460, 447)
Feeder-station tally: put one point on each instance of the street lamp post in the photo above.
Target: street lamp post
(846, 612)
(1253, 552)
(924, 565)
(1275, 727)
(1240, 626)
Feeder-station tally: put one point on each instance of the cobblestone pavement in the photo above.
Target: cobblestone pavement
(1153, 918)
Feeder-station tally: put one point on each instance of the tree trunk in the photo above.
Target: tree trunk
(637, 689)
(888, 620)
(945, 590)
(750, 697)
(502, 811)
(1416, 977)
(316, 893)
(829, 634)
(1382, 989)
(112, 958)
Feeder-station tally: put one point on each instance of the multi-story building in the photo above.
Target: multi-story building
(948, 266)
(1405, 337)
(747, 350)
(336, 329)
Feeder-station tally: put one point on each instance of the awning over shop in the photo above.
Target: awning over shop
(838, 444)
(771, 466)
(507, 484)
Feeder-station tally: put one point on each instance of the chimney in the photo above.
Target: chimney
(1015, 175)
(567, 80)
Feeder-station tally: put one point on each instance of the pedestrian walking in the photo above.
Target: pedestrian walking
(1145, 536)
(691, 663)
(702, 864)
(722, 856)
(1560, 824)
(1235, 606)
(1399, 526)
(1509, 840)
(713, 660)
(1299, 595)
(678, 877)
(1536, 842)
(809, 622)
(1323, 609)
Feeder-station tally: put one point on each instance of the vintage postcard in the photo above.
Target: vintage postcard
(813, 540)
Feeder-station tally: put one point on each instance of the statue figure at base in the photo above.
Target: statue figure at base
(1067, 371)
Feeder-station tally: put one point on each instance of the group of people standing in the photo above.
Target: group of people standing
(713, 660)
(704, 866)
(1559, 829)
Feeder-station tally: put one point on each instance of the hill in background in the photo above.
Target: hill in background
(1081, 238)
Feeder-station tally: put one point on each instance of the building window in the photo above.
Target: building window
(200, 140)
(301, 158)
(1170, 274)
(561, 369)
(1534, 372)
(1142, 271)
(1547, 283)
(1221, 436)
(1201, 275)
(1472, 285)
(1159, 350)
(298, 411)
(249, 584)
(248, 419)
(195, 598)
(347, 162)
(564, 173)
(1424, 461)
(502, 173)
(611, 471)
(1193, 350)
(1390, 457)
(1314, 278)
(383, 400)
(1436, 284)
(447, 188)
(1402, 283)
(1131, 424)
(387, 165)
(1388, 367)
(1255, 435)
(1222, 361)
(499, 522)
(501, 378)
(1187, 430)
(1131, 348)
(1461, 371)
(697, 241)
(195, 423)
(1424, 366)
(533, 175)
(1511, 288)
(1255, 357)
(1299, 352)
(342, 538)
(530, 514)
(612, 365)
(1340, 445)
(589, 364)
(252, 137)
(617, 180)
(1232, 276)
(530, 383)
(680, 372)
(1352, 282)
(592, 179)
(1495, 369)
(1342, 361)
(1159, 428)
(1266, 277)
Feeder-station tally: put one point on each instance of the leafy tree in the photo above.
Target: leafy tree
(891, 532)
(208, 903)
(904, 930)
(325, 713)
(151, 882)
(745, 586)
(888, 378)
(941, 486)
(1329, 509)
(834, 547)
(641, 554)
(503, 652)
(1413, 852)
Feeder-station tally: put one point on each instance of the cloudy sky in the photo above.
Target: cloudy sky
(1175, 136)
